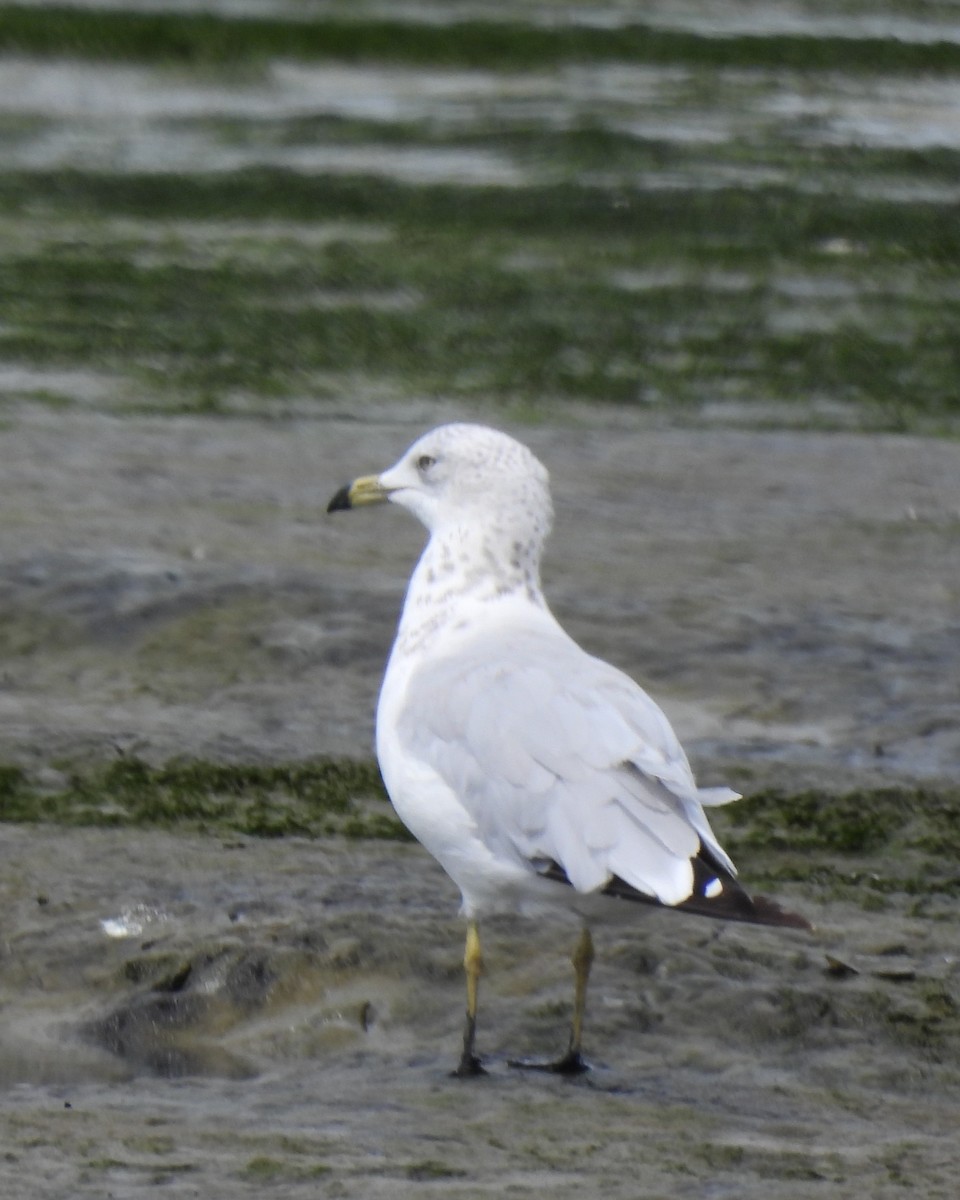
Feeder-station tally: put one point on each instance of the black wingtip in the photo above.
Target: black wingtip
(716, 894)
(730, 902)
(341, 500)
(768, 912)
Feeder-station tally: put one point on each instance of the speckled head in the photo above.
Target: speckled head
(470, 475)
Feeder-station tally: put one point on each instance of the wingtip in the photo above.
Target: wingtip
(770, 913)
(728, 902)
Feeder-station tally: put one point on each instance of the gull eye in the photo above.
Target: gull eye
(425, 462)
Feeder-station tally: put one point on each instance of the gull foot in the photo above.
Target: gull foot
(469, 1068)
(572, 1063)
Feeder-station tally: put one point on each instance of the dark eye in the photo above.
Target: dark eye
(425, 462)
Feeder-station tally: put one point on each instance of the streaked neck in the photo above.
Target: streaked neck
(465, 566)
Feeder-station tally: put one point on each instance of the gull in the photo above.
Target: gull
(538, 776)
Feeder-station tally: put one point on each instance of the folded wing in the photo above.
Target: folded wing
(565, 764)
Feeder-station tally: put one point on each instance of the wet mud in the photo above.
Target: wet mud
(290, 1011)
(210, 1013)
(707, 271)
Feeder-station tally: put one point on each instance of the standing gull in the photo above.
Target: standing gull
(537, 775)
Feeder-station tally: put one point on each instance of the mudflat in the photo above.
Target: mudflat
(196, 1009)
(704, 259)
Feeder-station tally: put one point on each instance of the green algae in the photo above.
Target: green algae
(265, 1169)
(190, 331)
(855, 822)
(430, 1169)
(516, 294)
(868, 846)
(721, 219)
(312, 799)
(213, 39)
(865, 845)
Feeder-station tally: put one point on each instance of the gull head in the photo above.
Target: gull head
(463, 476)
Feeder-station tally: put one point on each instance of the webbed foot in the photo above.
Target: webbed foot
(572, 1063)
(470, 1067)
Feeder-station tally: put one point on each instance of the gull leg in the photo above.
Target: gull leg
(582, 960)
(572, 1062)
(473, 967)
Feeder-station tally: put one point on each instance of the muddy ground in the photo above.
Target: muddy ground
(708, 266)
(174, 587)
(214, 1015)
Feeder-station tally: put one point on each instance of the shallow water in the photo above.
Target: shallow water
(70, 119)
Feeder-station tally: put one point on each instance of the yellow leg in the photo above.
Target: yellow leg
(473, 967)
(572, 1062)
(582, 959)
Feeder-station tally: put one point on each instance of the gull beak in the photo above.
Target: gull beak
(366, 490)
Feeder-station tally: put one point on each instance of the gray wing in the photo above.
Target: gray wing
(559, 757)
